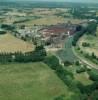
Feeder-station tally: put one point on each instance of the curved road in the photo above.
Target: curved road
(82, 59)
(69, 54)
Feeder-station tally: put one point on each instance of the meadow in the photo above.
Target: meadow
(83, 78)
(92, 40)
(31, 81)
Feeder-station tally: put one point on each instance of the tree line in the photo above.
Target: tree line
(81, 91)
(89, 29)
(33, 56)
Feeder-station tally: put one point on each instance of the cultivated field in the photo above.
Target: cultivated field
(46, 17)
(31, 81)
(9, 43)
(50, 20)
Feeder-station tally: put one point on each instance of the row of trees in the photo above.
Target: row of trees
(91, 57)
(37, 55)
(54, 64)
(7, 27)
(77, 36)
(81, 92)
(2, 32)
(66, 76)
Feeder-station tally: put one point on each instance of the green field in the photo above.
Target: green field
(83, 78)
(31, 81)
(92, 40)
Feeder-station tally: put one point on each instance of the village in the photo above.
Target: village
(51, 37)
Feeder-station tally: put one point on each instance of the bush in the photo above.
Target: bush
(52, 61)
(61, 97)
(67, 63)
(93, 74)
(81, 52)
(84, 44)
(80, 70)
(38, 55)
(7, 27)
(94, 95)
(77, 63)
(2, 32)
(78, 48)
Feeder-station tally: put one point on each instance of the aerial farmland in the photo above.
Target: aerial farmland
(48, 50)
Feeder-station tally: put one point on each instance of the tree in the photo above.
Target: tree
(93, 75)
(94, 95)
(77, 63)
(52, 61)
(7, 27)
(93, 56)
(2, 32)
(67, 63)
(84, 44)
(92, 27)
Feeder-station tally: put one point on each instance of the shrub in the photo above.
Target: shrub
(52, 61)
(2, 32)
(84, 44)
(67, 63)
(77, 63)
(80, 70)
(81, 52)
(93, 74)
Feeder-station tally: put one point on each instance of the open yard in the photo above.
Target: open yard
(9, 43)
(31, 81)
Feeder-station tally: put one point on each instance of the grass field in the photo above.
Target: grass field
(31, 81)
(83, 78)
(92, 40)
(9, 43)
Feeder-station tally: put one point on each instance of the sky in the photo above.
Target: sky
(92, 1)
